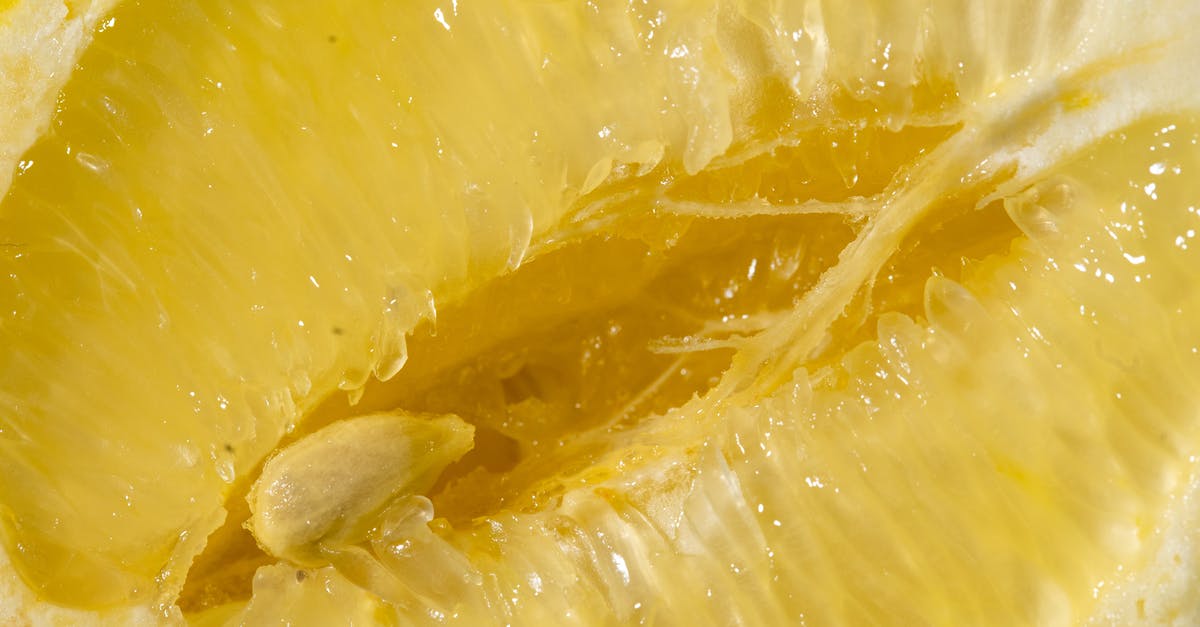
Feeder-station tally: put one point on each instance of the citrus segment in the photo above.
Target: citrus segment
(999, 459)
(671, 262)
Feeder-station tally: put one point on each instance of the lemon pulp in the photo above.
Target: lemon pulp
(690, 322)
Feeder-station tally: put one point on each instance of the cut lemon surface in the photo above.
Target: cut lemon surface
(581, 313)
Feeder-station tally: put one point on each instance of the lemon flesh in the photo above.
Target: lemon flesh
(672, 263)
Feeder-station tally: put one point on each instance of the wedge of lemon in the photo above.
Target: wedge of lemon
(583, 313)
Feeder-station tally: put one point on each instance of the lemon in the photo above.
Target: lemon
(583, 313)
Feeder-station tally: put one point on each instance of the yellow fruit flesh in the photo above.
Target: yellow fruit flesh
(259, 207)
